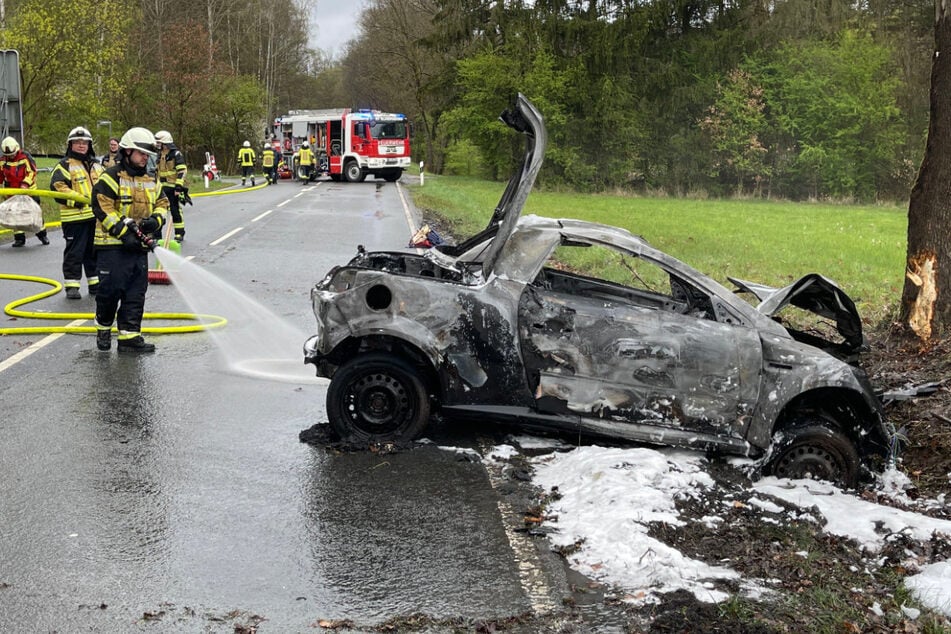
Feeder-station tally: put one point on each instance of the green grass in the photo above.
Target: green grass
(861, 247)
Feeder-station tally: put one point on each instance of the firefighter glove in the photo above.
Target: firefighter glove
(149, 225)
(117, 230)
(130, 241)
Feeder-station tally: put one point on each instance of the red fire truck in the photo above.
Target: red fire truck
(350, 144)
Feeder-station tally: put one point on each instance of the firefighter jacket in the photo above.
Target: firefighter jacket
(246, 157)
(18, 171)
(170, 167)
(125, 192)
(267, 158)
(74, 175)
(306, 156)
(109, 159)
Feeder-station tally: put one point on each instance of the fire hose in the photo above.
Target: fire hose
(207, 322)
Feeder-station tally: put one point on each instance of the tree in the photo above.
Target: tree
(926, 297)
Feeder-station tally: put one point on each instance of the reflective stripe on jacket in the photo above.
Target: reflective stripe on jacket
(170, 166)
(267, 158)
(70, 175)
(246, 157)
(118, 195)
(18, 170)
(306, 156)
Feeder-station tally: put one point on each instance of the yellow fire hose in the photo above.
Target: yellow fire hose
(207, 321)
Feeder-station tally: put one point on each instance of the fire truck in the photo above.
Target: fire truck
(349, 144)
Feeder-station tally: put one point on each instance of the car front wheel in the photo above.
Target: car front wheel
(815, 451)
(377, 398)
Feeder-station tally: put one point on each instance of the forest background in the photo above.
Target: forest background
(794, 99)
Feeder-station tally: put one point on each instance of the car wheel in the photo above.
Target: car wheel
(377, 398)
(815, 451)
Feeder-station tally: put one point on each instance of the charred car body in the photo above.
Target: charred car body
(491, 329)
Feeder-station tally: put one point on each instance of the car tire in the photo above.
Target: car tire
(814, 449)
(376, 398)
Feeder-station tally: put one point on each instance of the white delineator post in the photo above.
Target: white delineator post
(422, 177)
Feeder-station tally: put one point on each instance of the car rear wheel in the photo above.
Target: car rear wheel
(377, 398)
(815, 450)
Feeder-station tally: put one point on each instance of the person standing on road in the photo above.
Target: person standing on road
(18, 171)
(76, 173)
(129, 206)
(305, 159)
(112, 156)
(171, 171)
(269, 163)
(246, 158)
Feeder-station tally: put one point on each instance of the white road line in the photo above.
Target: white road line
(406, 211)
(225, 237)
(33, 347)
(531, 572)
(263, 215)
(286, 201)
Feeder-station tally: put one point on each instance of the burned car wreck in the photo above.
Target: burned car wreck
(494, 328)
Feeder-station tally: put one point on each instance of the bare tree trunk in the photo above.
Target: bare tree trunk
(926, 297)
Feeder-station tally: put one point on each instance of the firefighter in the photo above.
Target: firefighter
(246, 158)
(171, 169)
(305, 161)
(129, 206)
(112, 156)
(18, 171)
(269, 164)
(77, 172)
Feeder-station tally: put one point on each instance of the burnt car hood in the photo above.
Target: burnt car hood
(522, 117)
(816, 294)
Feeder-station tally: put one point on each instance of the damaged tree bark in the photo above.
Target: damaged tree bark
(925, 305)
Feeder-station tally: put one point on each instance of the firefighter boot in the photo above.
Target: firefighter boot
(252, 181)
(242, 182)
(42, 237)
(103, 339)
(72, 292)
(19, 239)
(179, 235)
(136, 344)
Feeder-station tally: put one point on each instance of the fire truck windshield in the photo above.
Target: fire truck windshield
(388, 130)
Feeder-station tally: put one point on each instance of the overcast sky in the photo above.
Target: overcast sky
(334, 23)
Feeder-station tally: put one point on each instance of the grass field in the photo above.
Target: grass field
(862, 248)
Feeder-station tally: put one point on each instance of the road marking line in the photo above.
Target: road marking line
(531, 572)
(286, 201)
(34, 347)
(226, 236)
(262, 215)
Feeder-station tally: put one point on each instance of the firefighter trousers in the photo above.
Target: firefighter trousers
(175, 209)
(79, 256)
(123, 281)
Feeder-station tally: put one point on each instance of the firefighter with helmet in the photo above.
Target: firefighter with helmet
(129, 206)
(18, 171)
(246, 158)
(269, 163)
(171, 169)
(306, 163)
(76, 173)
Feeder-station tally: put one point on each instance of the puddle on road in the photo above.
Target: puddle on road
(255, 342)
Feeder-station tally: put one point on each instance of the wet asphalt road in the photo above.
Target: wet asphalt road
(165, 493)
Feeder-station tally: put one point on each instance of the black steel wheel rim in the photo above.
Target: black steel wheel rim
(378, 403)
